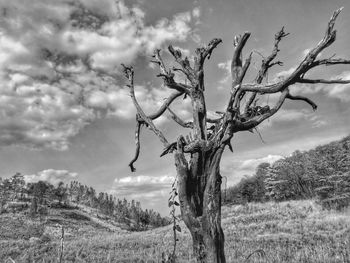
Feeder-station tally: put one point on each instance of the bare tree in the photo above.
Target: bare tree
(197, 155)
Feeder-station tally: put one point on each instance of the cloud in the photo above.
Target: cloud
(142, 183)
(226, 66)
(196, 12)
(54, 57)
(284, 116)
(152, 191)
(283, 74)
(52, 176)
(185, 52)
(251, 164)
(235, 169)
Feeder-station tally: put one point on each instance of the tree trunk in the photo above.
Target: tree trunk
(199, 188)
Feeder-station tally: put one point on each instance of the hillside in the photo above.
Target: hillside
(39, 199)
(294, 231)
(322, 173)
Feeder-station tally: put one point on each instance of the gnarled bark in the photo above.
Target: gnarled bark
(200, 202)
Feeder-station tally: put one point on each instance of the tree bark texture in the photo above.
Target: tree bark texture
(199, 188)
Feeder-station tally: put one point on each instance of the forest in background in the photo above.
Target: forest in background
(322, 173)
(36, 200)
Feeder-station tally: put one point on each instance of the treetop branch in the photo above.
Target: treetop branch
(205, 52)
(307, 63)
(266, 65)
(167, 75)
(236, 64)
(184, 63)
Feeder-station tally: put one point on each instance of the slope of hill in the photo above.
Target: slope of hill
(37, 198)
(322, 173)
(293, 231)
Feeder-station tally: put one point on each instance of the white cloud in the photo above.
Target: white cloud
(235, 169)
(144, 180)
(251, 164)
(152, 191)
(226, 66)
(48, 94)
(185, 52)
(283, 74)
(196, 12)
(289, 115)
(52, 176)
(295, 115)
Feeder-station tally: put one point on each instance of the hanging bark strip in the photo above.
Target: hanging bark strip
(197, 156)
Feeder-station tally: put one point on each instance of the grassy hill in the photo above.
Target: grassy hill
(294, 231)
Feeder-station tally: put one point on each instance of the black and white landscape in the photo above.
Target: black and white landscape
(239, 151)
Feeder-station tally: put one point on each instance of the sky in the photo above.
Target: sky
(62, 120)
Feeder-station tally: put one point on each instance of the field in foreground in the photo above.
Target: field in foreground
(297, 231)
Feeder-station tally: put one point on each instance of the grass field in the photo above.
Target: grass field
(297, 231)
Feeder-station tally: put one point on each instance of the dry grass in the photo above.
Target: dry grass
(297, 231)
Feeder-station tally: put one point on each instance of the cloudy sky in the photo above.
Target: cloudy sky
(65, 114)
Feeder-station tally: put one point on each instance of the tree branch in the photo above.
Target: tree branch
(324, 81)
(137, 143)
(330, 61)
(256, 120)
(266, 64)
(129, 74)
(307, 100)
(303, 67)
(165, 105)
(184, 63)
(236, 64)
(205, 52)
(167, 75)
(179, 121)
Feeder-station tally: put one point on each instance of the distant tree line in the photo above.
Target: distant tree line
(38, 198)
(322, 173)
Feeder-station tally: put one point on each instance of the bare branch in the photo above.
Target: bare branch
(324, 81)
(205, 52)
(246, 66)
(179, 121)
(330, 61)
(129, 74)
(184, 63)
(236, 64)
(167, 75)
(137, 143)
(307, 100)
(256, 120)
(196, 145)
(266, 64)
(209, 120)
(303, 67)
(165, 105)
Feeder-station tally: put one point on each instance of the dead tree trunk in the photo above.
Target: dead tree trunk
(200, 202)
(198, 155)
